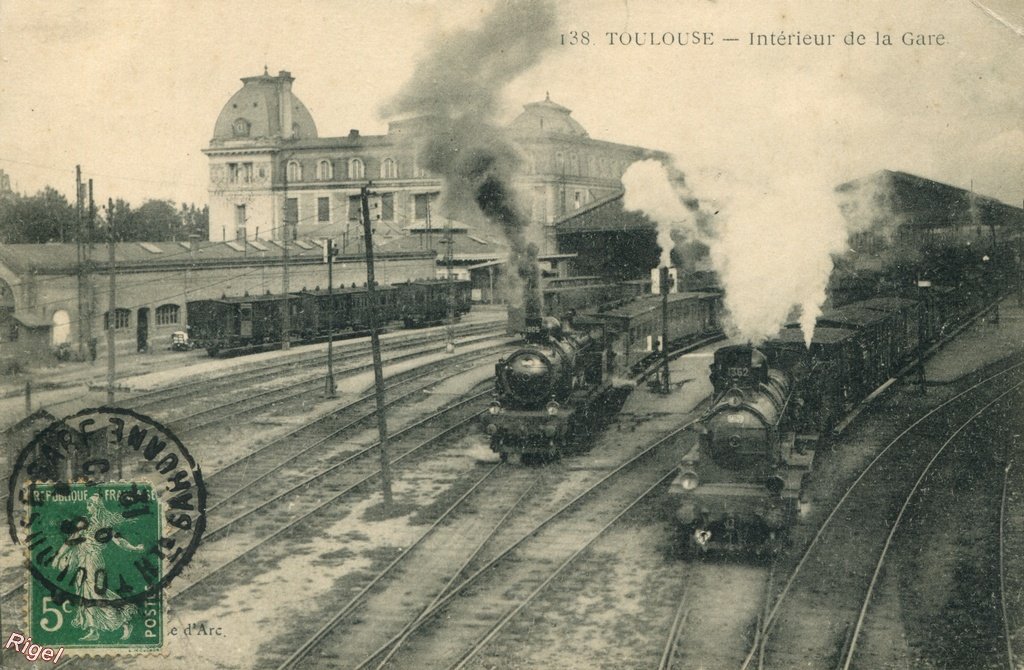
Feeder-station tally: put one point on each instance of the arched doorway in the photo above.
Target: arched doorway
(60, 333)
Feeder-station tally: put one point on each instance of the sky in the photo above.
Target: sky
(131, 90)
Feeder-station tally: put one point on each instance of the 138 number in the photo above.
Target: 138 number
(572, 38)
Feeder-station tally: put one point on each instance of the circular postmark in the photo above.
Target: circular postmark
(109, 506)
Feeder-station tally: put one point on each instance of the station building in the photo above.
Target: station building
(270, 170)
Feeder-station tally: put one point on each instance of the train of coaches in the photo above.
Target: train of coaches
(234, 325)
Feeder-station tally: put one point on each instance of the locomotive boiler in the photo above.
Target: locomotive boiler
(741, 484)
(547, 392)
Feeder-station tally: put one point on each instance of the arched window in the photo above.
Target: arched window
(559, 163)
(166, 315)
(324, 170)
(574, 164)
(356, 169)
(122, 318)
(389, 169)
(294, 171)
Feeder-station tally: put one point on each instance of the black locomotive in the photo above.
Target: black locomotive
(547, 391)
(234, 325)
(742, 483)
(552, 392)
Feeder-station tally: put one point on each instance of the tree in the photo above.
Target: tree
(156, 221)
(44, 217)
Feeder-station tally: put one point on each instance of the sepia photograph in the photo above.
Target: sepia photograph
(512, 334)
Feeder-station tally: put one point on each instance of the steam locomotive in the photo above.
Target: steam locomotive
(547, 391)
(551, 393)
(743, 484)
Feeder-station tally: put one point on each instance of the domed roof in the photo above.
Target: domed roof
(546, 118)
(264, 108)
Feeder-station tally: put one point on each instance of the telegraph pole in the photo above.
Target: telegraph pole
(922, 284)
(79, 256)
(663, 285)
(89, 299)
(112, 303)
(448, 257)
(286, 320)
(331, 387)
(378, 372)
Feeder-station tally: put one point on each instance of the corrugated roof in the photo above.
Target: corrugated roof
(465, 247)
(62, 258)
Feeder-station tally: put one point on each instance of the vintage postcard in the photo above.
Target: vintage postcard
(512, 334)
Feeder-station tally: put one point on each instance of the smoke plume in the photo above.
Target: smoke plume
(456, 90)
(771, 242)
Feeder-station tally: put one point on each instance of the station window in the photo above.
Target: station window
(356, 169)
(387, 207)
(167, 315)
(294, 171)
(422, 202)
(355, 206)
(122, 319)
(389, 169)
(324, 170)
(323, 209)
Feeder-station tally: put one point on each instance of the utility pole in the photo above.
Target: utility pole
(664, 287)
(994, 280)
(922, 285)
(90, 304)
(112, 303)
(378, 372)
(79, 257)
(286, 319)
(449, 335)
(329, 250)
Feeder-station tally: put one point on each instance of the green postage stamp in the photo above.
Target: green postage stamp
(109, 507)
(89, 546)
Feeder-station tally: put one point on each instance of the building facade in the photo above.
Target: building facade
(271, 172)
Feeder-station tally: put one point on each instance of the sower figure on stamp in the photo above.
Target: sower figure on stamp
(82, 556)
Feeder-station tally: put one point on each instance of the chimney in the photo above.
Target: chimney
(284, 97)
(353, 134)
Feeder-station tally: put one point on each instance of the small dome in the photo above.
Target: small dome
(264, 108)
(545, 118)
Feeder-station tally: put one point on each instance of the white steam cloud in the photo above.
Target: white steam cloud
(771, 242)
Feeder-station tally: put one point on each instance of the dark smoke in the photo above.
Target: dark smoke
(455, 92)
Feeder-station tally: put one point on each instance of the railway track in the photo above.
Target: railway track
(465, 605)
(333, 643)
(671, 649)
(305, 502)
(831, 567)
(184, 425)
(254, 469)
(1011, 552)
(254, 402)
(255, 373)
